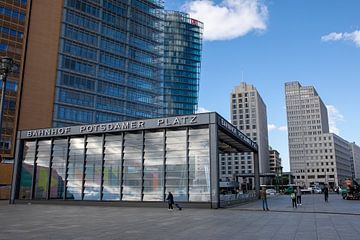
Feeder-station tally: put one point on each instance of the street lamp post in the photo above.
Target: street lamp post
(6, 66)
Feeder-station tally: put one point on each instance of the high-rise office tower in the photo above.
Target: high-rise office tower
(248, 114)
(102, 61)
(12, 30)
(274, 160)
(182, 55)
(316, 156)
(92, 61)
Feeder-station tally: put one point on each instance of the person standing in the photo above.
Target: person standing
(326, 194)
(170, 200)
(298, 196)
(264, 199)
(293, 199)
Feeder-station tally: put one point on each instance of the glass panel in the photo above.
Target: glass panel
(27, 170)
(154, 166)
(93, 168)
(75, 169)
(132, 170)
(112, 168)
(176, 164)
(58, 169)
(199, 166)
(42, 169)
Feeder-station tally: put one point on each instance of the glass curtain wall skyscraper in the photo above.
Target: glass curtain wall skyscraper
(108, 62)
(182, 59)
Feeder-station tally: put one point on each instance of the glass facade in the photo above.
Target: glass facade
(131, 161)
(182, 58)
(128, 166)
(109, 61)
(12, 28)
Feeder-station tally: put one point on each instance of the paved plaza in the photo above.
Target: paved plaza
(315, 219)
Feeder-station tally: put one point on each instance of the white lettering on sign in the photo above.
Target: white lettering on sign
(48, 132)
(177, 121)
(112, 126)
(237, 132)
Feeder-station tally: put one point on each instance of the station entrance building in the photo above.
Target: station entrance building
(135, 162)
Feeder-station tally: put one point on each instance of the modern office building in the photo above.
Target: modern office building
(248, 114)
(130, 162)
(12, 32)
(316, 156)
(355, 156)
(182, 59)
(92, 61)
(274, 160)
(103, 61)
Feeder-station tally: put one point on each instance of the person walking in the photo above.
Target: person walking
(326, 194)
(264, 199)
(293, 199)
(170, 200)
(298, 196)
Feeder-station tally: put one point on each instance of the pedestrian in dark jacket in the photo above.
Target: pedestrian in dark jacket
(264, 199)
(326, 194)
(170, 200)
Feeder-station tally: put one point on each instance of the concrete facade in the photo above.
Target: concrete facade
(355, 155)
(274, 160)
(248, 114)
(316, 156)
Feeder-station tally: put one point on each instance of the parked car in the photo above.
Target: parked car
(317, 190)
(306, 191)
(270, 191)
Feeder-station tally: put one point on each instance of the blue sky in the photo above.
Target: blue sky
(313, 42)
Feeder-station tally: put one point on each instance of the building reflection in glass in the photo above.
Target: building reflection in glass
(127, 166)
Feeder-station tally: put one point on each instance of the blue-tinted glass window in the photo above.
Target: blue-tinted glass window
(110, 89)
(115, 34)
(84, 7)
(110, 104)
(11, 32)
(114, 20)
(78, 66)
(141, 70)
(12, 13)
(139, 96)
(112, 60)
(74, 114)
(80, 51)
(80, 20)
(77, 82)
(75, 97)
(80, 35)
(111, 75)
(113, 47)
(115, 7)
(3, 47)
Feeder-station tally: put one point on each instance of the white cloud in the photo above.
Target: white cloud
(282, 128)
(273, 127)
(334, 36)
(202, 110)
(334, 118)
(230, 18)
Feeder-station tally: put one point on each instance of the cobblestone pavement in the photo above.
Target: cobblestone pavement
(338, 219)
